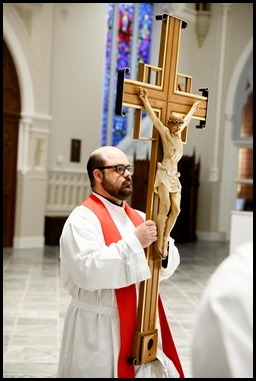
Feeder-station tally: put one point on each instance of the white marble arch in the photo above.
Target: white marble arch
(33, 136)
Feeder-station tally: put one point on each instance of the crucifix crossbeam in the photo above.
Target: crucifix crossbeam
(168, 92)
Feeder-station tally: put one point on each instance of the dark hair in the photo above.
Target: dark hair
(95, 161)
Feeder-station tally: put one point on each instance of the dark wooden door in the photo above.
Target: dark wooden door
(11, 116)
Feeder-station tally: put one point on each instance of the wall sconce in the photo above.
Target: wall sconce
(202, 21)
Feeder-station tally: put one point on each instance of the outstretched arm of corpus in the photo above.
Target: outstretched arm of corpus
(143, 94)
(189, 115)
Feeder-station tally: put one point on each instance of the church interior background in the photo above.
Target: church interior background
(59, 81)
(51, 135)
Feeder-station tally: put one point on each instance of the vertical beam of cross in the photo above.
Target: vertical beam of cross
(168, 91)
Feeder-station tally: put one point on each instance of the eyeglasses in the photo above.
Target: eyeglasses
(120, 168)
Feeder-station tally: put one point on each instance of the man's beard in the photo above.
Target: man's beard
(120, 193)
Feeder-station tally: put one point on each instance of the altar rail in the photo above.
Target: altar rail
(66, 189)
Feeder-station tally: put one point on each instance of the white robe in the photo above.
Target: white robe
(223, 338)
(91, 271)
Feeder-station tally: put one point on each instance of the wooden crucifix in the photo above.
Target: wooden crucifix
(168, 92)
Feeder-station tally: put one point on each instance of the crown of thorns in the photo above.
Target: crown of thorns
(175, 120)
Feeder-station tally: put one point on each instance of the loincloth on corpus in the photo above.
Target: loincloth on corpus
(169, 179)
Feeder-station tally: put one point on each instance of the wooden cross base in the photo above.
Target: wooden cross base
(144, 347)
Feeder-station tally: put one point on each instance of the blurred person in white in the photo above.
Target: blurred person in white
(222, 345)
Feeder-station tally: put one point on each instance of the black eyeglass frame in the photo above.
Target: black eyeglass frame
(120, 168)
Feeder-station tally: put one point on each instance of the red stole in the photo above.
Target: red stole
(126, 296)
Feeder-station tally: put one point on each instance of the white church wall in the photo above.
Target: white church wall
(78, 61)
(37, 33)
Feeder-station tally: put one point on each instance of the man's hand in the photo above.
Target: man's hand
(146, 233)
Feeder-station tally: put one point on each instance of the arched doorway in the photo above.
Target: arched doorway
(11, 116)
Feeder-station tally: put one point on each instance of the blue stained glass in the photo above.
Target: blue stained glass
(145, 30)
(121, 44)
(110, 19)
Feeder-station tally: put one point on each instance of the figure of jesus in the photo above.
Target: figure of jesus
(167, 184)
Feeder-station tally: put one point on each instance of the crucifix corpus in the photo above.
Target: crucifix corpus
(166, 95)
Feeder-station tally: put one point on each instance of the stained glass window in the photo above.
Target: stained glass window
(127, 43)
